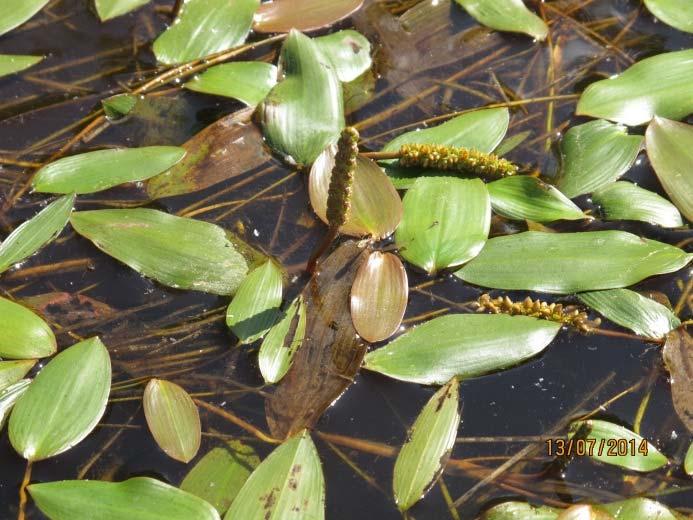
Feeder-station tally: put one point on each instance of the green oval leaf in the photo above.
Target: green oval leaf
(247, 81)
(9, 396)
(11, 63)
(688, 461)
(13, 371)
(33, 234)
(204, 27)
(670, 149)
(506, 15)
(97, 171)
(423, 457)
(445, 223)
(255, 306)
(304, 112)
(584, 512)
(595, 154)
(626, 201)
(677, 13)
(23, 335)
(179, 252)
(639, 509)
(349, 53)
(479, 130)
(303, 15)
(16, 12)
(173, 419)
(633, 311)
(564, 263)
(632, 457)
(108, 9)
(64, 403)
(461, 345)
(284, 338)
(656, 86)
(221, 473)
(288, 484)
(521, 511)
(142, 498)
(118, 106)
(527, 198)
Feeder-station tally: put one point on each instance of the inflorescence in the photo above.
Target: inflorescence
(455, 158)
(342, 180)
(568, 315)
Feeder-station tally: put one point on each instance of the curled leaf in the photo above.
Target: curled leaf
(303, 15)
(282, 341)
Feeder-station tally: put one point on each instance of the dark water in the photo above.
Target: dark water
(439, 64)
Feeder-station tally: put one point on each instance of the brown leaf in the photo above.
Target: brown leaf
(331, 352)
(66, 309)
(678, 358)
(305, 15)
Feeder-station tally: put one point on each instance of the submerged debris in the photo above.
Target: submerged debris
(441, 157)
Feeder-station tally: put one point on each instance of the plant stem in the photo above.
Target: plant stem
(22, 492)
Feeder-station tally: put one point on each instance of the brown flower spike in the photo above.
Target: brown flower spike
(342, 179)
(455, 158)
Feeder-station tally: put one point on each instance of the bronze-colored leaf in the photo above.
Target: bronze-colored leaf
(678, 358)
(66, 308)
(305, 15)
(379, 297)
(331, 353)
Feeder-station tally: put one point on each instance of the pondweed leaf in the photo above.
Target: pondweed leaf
(118, 106)
(656, 86)
(108, 9)
(506, 15)
(584, 512)
(303, 15)
(677, 13)
(287, 485)
(15, 12)
(670, 149)
(564, 263)
(379, 297)
(204, 27)
(639, 509)
(461, 345)
(36, 232)
(626, 201)
(140, 498)
(349, 53)
(97, 171)
(220, 474)
(429, 443)
(247, 81)
(64, 403)
(283, 339)
(445, 223)
(521, 511)
(594, 155)
(255, 306)
(526, 198)
(678, 358)
(13, 371)
(179, 252)
(9, 396)
(11, 63)
(173, 419)
(639, 454)
(688, 461)
(304, 112)
(24, 335)
(633, 311)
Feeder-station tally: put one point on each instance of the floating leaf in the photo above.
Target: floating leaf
(423, 457)
(595, 154)
(204, 27)
(304, 112)
(349, 53)
(376, 208)
(445, 223)
(11, 63)
(33, 234)
(23, 335)
(9, 396)
(230, 147)
(16, 12)
(633, 311)
(142, 498)
(527, 198)
(564, 263)
(688, 461)
(619, 446)
(521, 511)
(639, 509)
(287, 485)
(64, 403)
(677, 13)
(480, 130)
(118, 106)
(461, 345)
(279, 346)
(379, 297)
(97, 171)
(13, 371)
(255, 306)
(173, 419)
(221, 473)
(247, 81)
(179, 252)
(670, 149)
(584, 512)
(108, 9)
(678, 358)
(506, 15)
(659, 85)
(304, 15)
(626, 201)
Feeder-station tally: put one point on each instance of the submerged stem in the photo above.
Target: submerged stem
(22, 492)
